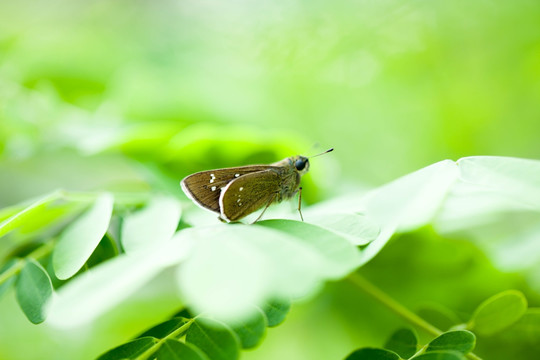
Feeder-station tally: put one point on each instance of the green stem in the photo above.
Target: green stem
(393, 305)
(13, 270)
(397, 308)
(37, 254)
(145, 355)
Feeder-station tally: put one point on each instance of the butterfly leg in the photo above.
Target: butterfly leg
(266, 207)
(300, 202)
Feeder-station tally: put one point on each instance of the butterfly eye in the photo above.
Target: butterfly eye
(300, 164)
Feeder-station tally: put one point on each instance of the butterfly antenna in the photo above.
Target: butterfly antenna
(324, 152)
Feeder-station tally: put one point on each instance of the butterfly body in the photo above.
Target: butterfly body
(236, 192)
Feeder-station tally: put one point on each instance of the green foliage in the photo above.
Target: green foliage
(251, 330)
(498, 312)
(8, 268)
(451, 345)
(216, 339)
(372, 354)
(441, 355)
(176, 350)
(33, 290)
(462, 341)
(128, 97)
(153, 224)
(198, 338)
(81, 237)
(403, 342)
(121, 243)
(20, 215)
(276, 311)
(130, 350)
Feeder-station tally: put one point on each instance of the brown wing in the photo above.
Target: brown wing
(249, 193)
(204, 187)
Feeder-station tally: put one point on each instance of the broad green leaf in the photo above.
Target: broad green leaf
(339, 255)
(372, 354)
(102, 287)
(28, 213)
(6, 280)
(250, 330)
(441, 355)
(276, 310)
(214, 338)
(33, 291)
(407, 203)
(498, 312)
(357, 228)
(129, 350)
(517, 178)
(105, 250)
(176, 350)
(165, 328)
(462, 341)
(155, 223)
(527, 328)
(403, 342)
(234, 266)
(495, 204)
(78, 241)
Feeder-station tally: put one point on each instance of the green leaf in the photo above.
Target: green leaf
(276, 310)
(407, 203)
(129, 350)
(372, 354)
(498, 312)
(518, 179)
(250, 330)
(78, 241)
(462, 341)
(105, 250)
(441, 355)
(339, 254)
(27, 213)
(357, 228)
(232, 266)
(404, 342)
(165, 328)
(214, 338)
(33, 291)
(6, 284)
(155, 223)
(527, 328)
(102, 287)
(176, 350)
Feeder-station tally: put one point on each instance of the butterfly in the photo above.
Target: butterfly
(236, 192)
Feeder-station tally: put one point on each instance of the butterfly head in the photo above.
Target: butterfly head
(301, 164)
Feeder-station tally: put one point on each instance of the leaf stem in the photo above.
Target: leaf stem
(145, 355)
(37, 254)
(397, 308)
(11, 271)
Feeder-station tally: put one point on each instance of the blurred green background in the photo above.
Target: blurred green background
(134, 95)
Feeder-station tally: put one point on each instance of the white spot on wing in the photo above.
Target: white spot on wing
(236, 175)
(213, 188)
(241, 188)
